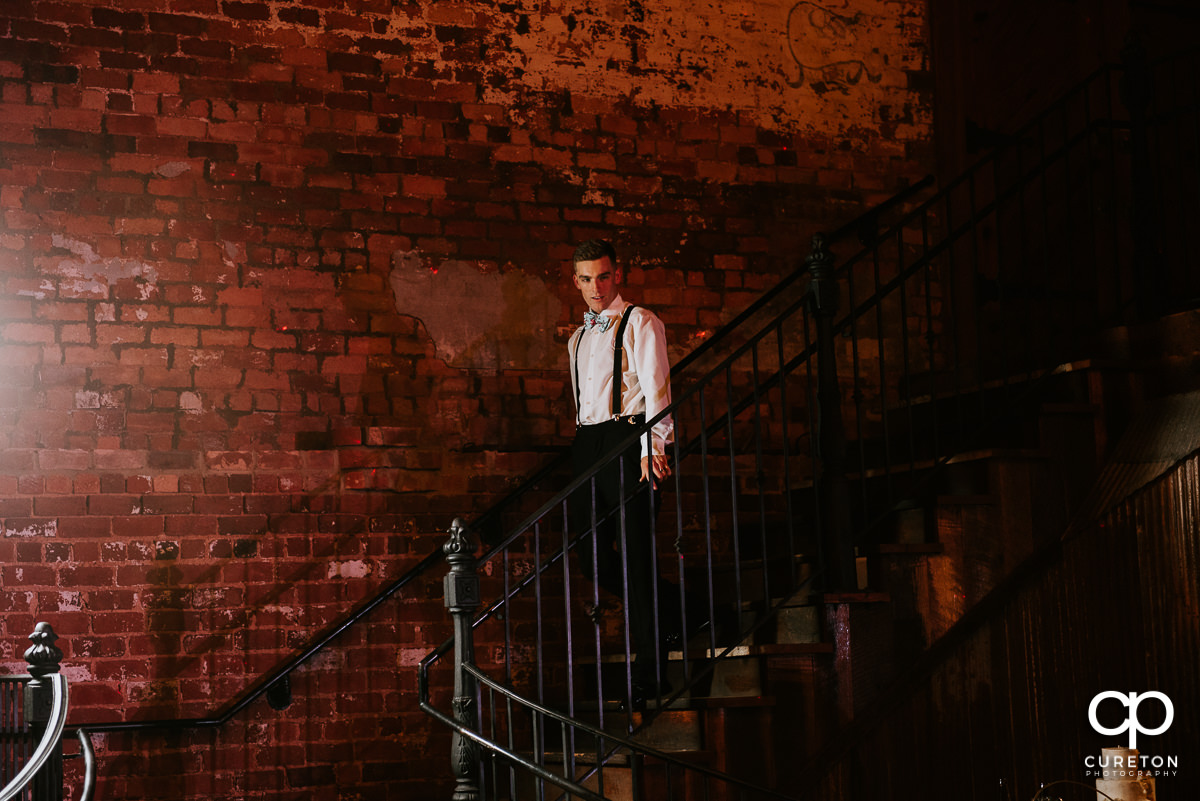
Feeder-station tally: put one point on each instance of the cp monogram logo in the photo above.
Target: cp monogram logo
(1131, 723)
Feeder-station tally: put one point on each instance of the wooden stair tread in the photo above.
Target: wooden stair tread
(738, 701)
(745, 651)
(621, 758)
(761, 649)
(978, 455)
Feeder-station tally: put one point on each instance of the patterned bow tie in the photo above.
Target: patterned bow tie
(593, 319)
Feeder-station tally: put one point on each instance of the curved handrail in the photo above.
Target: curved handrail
(89, 764)
(51, 738)
(617, 740)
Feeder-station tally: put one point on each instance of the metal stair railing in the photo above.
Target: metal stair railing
(33, 716)
(491, 522)
(520, 730)
(718, 428)
(1039, 604)
(953, 313)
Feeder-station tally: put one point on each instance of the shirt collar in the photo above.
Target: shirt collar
(615, 308)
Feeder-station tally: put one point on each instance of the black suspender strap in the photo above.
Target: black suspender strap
(616, 396)
(617, 352)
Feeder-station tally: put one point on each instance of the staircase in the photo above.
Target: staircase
(824, 658)
(871, 456)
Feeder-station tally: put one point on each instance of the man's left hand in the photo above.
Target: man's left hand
(659, 465)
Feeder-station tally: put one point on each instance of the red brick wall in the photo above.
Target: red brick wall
(246, 376)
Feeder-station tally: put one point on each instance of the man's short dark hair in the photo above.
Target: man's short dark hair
(594, 249)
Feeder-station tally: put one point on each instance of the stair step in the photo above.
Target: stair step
(734, 702)
(798, 625)
(763, 649)
(621, 758)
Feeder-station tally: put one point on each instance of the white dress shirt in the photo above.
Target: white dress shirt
(645, 377)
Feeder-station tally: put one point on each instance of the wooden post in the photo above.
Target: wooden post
(461, 586)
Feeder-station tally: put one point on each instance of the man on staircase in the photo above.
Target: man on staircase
(621, 379)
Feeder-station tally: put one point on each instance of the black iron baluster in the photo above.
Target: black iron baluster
(930, 335)
(906, 373)
(734, 508)
(881, 354)
(704, 486)
(784, 413)
(759, 475)
(857, 397)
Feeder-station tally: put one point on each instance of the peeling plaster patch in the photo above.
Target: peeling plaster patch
(76, 673)
(597, 197)
(70, 602)
(173, 169)
(573, 177)
(89, 275)
(202, 358)
(208, 598)
(233, 254)
(227, 460)
(289, 614)
(85, 399)
(479, 320)
(191, 402)
(354, 569)
(411, 657)
(47, 529)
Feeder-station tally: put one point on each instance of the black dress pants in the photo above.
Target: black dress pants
(622, 504)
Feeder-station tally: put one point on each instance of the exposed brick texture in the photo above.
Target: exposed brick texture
(221, 429)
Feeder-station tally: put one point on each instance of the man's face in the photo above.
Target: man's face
(597, 281)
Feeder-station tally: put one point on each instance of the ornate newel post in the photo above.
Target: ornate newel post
(43, 658)
(461, 587)
(833, 492)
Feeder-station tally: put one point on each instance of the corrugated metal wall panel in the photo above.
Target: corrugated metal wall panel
(1117, 607)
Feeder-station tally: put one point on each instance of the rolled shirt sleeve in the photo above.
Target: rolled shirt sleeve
(648, 354)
